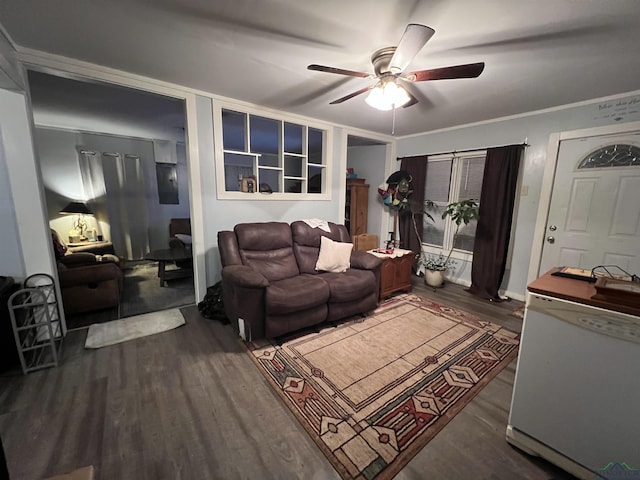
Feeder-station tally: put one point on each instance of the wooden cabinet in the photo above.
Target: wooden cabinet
(395, 274)
(356, 207)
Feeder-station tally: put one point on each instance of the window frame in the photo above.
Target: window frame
(457, 162)
(306, 124)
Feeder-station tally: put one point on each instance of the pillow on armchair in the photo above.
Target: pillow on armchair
(186, 239)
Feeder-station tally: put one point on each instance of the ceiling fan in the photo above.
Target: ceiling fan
(389, 64)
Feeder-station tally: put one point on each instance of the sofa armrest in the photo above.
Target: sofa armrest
(364, 261)
(243, 276)
(90, 274)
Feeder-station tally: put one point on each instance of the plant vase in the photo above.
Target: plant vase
(434, 278)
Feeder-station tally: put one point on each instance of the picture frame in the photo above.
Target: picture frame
(249, 185)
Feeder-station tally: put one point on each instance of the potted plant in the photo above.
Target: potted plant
(461, 213)
(434, 268)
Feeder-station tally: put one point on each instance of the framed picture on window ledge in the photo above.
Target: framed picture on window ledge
(249, 185)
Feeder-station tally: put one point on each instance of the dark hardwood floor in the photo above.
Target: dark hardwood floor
(190, 404)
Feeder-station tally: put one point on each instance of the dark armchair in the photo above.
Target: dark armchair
(88, 282)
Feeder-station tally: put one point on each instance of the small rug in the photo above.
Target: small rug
(110, 333)
(372, 392)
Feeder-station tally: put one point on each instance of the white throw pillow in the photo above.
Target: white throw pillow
(334, 256)
(183, 238)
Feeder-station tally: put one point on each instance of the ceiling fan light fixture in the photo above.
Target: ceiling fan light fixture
(387, 95)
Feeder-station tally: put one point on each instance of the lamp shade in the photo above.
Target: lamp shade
(78, 208)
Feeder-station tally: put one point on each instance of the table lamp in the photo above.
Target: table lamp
(79, 225)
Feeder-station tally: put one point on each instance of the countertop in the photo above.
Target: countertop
(578, 291)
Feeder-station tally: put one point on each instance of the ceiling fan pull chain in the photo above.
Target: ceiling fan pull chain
(393, 122)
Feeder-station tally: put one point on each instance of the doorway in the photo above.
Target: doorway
(103, 145)
(593, 214)
(366, 160)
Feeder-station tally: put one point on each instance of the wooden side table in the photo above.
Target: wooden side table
(395, 271)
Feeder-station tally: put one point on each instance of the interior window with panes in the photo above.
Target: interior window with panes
(267, 155)
(451, 178)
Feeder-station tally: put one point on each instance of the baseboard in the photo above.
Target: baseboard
(466, 283)
(515, 295)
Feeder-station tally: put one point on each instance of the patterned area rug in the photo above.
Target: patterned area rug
(372, 392)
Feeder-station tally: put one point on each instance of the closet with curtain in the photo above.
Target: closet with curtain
(115, 184)
(135, 187)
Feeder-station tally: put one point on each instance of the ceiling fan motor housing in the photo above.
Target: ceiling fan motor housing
(381, 59)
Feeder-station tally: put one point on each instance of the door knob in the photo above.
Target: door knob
(551, 239)
(552, 228)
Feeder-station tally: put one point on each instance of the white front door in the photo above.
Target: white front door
(594, 215)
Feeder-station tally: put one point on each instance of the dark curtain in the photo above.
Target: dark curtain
(417, 168)
(494, 221)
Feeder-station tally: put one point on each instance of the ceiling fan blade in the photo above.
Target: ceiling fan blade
(351, 95)
(414, 38)
(471, 70)
(413, 100)
(339, 71)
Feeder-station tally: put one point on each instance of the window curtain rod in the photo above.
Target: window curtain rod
(524, 144)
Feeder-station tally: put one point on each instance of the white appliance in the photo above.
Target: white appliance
(576, 397)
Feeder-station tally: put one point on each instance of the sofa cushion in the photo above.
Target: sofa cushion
(334, 256)
(267, 248)
(306, 243)
(350, 285)
(277, 325)
(295, 294)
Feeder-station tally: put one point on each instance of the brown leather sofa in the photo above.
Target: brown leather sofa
(269, 278)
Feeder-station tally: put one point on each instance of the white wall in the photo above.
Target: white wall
(11, 264)
(58, 162)
(369, 163)
(27, 222)
(535, 130)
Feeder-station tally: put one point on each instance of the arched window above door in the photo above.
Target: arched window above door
(616, 155)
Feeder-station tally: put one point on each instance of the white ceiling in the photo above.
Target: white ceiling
(538, 53)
